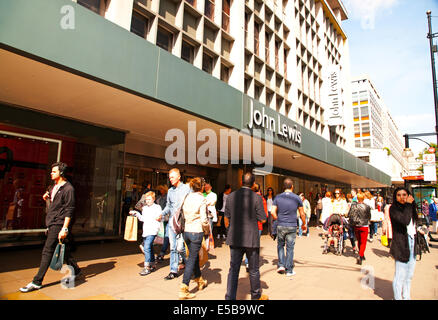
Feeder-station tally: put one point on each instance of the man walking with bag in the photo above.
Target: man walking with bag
(58, 220)
(175, 198)
(243, 209)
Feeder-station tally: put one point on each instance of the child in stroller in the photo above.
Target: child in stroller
(334, 234)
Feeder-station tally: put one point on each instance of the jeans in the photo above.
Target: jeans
(286, 235)
(300, 223)
(177, 249)
(254, 272)
(148, 247)
(246, 258)
(373, 229)
(49, 249)
(193, 241)
(165, 239)
(403, 275)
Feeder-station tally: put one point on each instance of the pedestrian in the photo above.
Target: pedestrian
(318, 210)
(433, 208)
(350, 228)
(353, 193)
(196, 219)
(369, 200)
(284, 210)
(161, 201)
(308, 212)
(327, 207)
(211, 198)
(151, 218)
(386, 225)
(425, 211)
(222, 200)
(256, 189)
(403, 215)
(339, 203)
(269, 197)
(359, 216)
(59, 222)
(242, 211)
(175, 198)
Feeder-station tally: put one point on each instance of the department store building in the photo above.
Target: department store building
(107, 86)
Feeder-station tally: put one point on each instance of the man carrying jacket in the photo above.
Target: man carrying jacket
(58, 220)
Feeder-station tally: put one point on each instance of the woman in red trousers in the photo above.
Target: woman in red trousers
(359, 216)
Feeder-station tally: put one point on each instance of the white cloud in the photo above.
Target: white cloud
(367, 10)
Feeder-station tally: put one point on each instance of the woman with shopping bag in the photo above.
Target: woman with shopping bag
(196, 220)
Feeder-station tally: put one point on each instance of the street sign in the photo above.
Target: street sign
(429, 158)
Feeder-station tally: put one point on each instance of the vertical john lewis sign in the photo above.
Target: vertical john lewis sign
(333, 95)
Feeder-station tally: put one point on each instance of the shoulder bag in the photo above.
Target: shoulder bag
(58, 257)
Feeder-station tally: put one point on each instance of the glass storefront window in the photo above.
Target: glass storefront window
(94, 163)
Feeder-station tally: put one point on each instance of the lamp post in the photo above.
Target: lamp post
(433, 49)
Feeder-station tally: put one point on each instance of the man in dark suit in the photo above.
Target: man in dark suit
(242, 211)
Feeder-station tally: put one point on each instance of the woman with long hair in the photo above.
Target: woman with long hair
(403, 215)
(195, 215)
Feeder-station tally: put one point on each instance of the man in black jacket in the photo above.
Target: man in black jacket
(242, 211)
(58, 220)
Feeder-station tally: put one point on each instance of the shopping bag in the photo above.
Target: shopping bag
(58, 257)
(384, 240)
(158, 240)
(131, 228)
(376, 215)
(210, 243)
(203, 254)
(161, 231)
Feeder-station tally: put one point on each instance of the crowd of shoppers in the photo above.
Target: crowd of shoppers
(239, 217)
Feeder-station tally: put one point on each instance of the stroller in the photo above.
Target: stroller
(334, 234)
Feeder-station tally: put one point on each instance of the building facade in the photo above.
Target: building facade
(377, 138)
(124, 90)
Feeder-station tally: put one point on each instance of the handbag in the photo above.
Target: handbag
(384, 240)
(203, 254)
(131, 228)
(178, 219)
(58, 257)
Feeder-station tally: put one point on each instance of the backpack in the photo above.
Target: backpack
(178, 220)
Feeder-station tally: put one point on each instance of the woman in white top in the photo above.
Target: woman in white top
(326, 207)
(151, 217)
(195, 215)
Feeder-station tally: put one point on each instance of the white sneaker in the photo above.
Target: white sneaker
(30, 287)
(281, 270)
(290, 274)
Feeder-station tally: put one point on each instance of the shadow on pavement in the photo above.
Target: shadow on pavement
(211, 275)
(383, 289)
(26, 258)
(380, 253)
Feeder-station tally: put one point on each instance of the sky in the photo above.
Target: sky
(388, 42)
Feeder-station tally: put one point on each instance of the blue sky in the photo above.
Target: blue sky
(387, 40)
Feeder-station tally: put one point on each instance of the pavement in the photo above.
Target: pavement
(111, 270)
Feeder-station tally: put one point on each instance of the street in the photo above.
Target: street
(111, 272)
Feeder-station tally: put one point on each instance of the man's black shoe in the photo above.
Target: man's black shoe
(171, 276)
